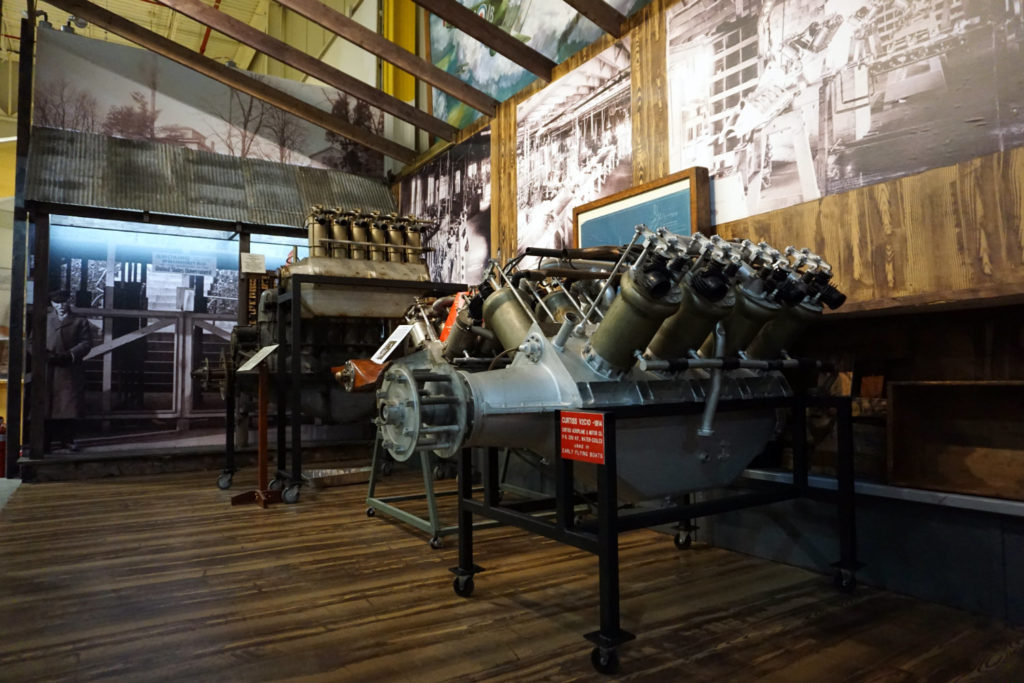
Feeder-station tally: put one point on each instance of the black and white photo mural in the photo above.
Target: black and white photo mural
(574, 144)
(453, 193)
(93, 86)
(787, 101)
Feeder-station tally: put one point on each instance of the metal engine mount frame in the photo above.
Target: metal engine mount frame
(602, 539)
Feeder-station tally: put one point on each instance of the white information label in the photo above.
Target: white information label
(390, 343)
(254, 263)
(258, 358)
(186, 264)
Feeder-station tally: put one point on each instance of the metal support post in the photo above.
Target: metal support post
(282, 393)
(611, 634)
(262, 496)
(799, 436)
(295, 402)
(463, 583)
(845, 500)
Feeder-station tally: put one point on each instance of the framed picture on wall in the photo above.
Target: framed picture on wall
(680, 202)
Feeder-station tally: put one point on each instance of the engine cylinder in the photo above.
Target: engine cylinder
(396, 238)
(319, 230)
(779, 334)
(748, 316)
(506, 316)
(559, 303)
(339, 231)
(379, 237)
(359, 234)
(630, 323)
(689, 326)
(460, 338)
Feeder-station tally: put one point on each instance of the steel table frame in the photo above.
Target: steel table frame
(603, 540)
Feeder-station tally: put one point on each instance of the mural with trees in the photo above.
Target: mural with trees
(98, 87)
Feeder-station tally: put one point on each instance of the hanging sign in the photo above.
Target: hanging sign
(583, 436)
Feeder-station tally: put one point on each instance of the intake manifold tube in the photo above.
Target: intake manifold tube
(711, 402)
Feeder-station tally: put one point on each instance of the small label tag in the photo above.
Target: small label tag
(583, 437)
(390, 343)
(257, 358)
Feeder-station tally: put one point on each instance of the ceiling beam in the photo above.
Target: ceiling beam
(608, 19)
(307, 64)
(233, 78)
(374, 43)
(490, 35)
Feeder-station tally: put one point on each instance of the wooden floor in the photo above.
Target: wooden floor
(160, 578)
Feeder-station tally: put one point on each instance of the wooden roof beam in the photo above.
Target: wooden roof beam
(608, 19)
(233, 78)
(490, 35)
(307, 64)
(374, 43)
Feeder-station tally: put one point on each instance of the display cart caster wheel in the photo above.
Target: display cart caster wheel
(436, 543)
(438, 472)
(291, 494)
(683, 541)
(844, 581)
(224, 481)
(387, 468)
(605, 660)
(370, 512)
(275, 484)
(463, 586)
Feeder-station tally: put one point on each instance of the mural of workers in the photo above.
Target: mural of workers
(68, 340)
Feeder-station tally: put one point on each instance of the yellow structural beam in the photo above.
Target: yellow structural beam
(399, 26)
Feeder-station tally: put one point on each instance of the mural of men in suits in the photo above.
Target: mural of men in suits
(68, 340)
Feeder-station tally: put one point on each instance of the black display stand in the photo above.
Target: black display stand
(604, 539)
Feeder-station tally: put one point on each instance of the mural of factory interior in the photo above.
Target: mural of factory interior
(573, 145)
(453, 193)
(790, 100)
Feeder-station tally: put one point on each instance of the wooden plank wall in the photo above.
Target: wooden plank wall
(953, 234)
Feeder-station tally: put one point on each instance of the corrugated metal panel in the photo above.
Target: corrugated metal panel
(356, 192)
(83, 169)
(212, 184)
(273, 194)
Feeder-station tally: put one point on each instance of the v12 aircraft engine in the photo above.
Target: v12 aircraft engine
(666, 319)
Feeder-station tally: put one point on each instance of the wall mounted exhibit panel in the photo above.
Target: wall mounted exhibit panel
(788, 102)
(574, 144)
(453, 191)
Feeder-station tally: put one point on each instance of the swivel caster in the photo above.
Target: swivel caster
(275, 484)
(370, 512)
(844, 581)
(291, 494)
(386, 468)
(436, 543)
(438, 472)
(224, 481)
(683, 541)
(605, 660)
(463, 586)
